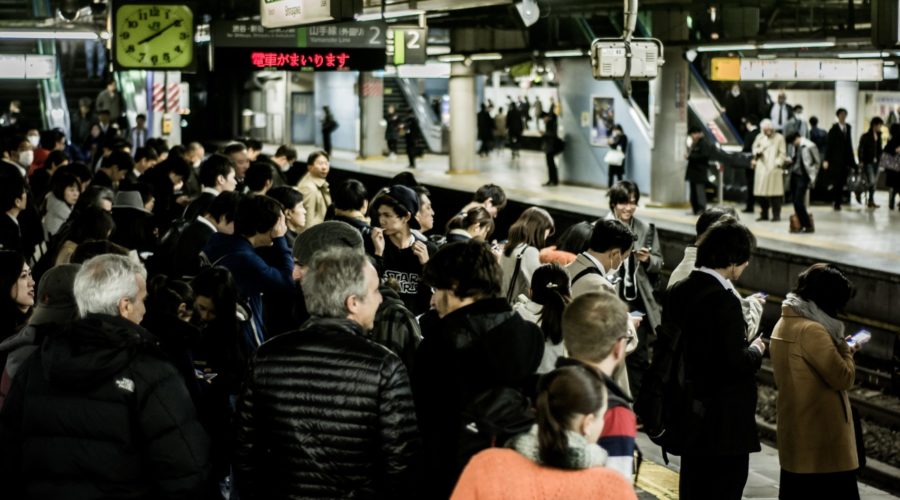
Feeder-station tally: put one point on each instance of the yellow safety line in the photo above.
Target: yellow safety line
(658, 480)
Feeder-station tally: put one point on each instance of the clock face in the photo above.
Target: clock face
(154, 36)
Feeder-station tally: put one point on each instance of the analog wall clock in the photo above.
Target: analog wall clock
(151, 36)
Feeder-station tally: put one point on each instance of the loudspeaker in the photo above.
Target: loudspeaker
(529, 11)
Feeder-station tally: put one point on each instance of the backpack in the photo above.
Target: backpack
(491, 418)
(664, 400)
(163, 259)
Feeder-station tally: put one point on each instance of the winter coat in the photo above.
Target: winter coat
(531, 260)
(98, 413)
(476, 348)
(771, 155)
(325, 413)
(396, 327)
(839, 149)
(698, 161)
(253, 275)
(316, 199)
(500, 473)
(720, 367)
(645, 274)
(57, 213)
(808, 161)
(815, 427)
(869, 148)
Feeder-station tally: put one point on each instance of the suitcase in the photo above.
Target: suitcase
(795, 226)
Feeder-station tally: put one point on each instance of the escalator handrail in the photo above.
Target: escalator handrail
(698, 76)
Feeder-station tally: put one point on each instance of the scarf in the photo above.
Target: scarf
(811, 311)
(582, 454)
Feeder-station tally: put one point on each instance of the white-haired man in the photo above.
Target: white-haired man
(325, 412)
(769, 157)
(107, 415)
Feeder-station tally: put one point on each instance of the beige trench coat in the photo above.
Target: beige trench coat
(769, 178)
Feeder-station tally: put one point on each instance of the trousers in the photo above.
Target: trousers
(717, 477)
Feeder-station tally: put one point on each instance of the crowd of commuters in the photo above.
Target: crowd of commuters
(232, 325)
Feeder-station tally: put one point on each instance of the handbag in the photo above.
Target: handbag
(614, 157)
(889, 162)
(857, 182)
(510, 292)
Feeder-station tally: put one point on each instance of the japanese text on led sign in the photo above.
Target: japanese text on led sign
(312, 60)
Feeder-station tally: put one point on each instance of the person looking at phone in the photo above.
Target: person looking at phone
(638, 274)
(814, 368)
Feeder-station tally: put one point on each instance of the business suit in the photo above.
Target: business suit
(190, 244)
(720, 378)
(839, 155)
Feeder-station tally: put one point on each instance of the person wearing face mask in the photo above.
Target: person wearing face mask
(769, 158)
(797, 124)
(720, 366)
(638, 274)
(596, 270)
(736, 107)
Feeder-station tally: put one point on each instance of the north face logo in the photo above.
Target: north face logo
(126, 384)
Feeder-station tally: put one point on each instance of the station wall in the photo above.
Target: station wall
(582, 163)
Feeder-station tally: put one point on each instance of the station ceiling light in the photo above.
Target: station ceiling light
(390, 14)
(798, 44)
(34, 34)
(452, 58)
(564, 53)
(726, 48)
(862, 55)
(437, 50)
(487, 56)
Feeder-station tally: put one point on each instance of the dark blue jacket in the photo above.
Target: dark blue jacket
(252, 274)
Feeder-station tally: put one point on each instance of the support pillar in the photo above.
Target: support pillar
(371, 107)
(462, 118)
(846, 95)
(670, 130)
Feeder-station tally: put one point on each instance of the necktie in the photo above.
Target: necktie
(780, 112)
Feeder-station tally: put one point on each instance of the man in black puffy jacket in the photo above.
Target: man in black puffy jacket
(326, 413)
(474, 346)
(98, 412)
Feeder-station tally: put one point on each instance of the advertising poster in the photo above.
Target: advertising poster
(604, 117)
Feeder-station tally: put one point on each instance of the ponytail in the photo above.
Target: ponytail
(551, 315)
(550, 288)
(552, 441)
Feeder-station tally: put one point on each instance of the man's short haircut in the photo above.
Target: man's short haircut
(726, 242)
(13, 141)
(258, 175)
(288, 152)
(50, 137)
(56, 157)
(623, 192)
(256, 214)
(349, 194)
(315, 156)
(839, 111)
(592, 324)
(813, 120)
(226, 205)
(141, 116)
(145, 153)
(491, 192)
(193, 146)
(105, 280)
(119, 159)
(177, 150)
(791, 137)
(213, 167)
(467, 268)
(695, 130)
(12, 187)
(798, 108)
(288, 196)
(254, 144)
(234, 147)
(334, 275)
(611, 234)
(712, 215)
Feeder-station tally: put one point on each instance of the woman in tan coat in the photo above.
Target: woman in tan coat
(769, 156)
(813, 370)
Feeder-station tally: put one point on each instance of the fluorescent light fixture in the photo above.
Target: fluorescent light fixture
(798, 44)
(861, 55)
(12, 34)
(487, 56)
(890, 63)
(767, 56)
(390, 14)
(564, 53)
(437, 50)
(726, 48)
(452, 58)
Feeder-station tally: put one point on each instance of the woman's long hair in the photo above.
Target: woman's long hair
(550, 287)
(530, 229)
(563, 394)
(12, 318)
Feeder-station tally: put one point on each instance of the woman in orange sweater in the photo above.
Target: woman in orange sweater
(559, 458)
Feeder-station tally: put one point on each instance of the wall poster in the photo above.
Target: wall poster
(604, 117)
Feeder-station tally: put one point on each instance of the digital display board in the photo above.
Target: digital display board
(795, 69)
(308, 59)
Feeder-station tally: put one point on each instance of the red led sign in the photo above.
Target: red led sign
(306, 59)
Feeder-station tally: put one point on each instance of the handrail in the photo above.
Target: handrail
(698, 76)
(432, 132)
(54, 107)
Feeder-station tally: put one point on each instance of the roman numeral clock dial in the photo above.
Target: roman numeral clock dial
(154, 36)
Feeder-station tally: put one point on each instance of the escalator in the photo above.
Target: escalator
(403, 95)
(28, 92)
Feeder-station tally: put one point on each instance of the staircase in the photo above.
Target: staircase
(394, 96)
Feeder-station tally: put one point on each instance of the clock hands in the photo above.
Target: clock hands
(160, 32)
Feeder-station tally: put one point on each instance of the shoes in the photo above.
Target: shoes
(807, 230)
(837, 208)
(549, 183)
(859, 198)
(872, 204)
(776, 219)
(747, 211)
(762, 219)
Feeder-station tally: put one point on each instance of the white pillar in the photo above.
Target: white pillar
(670, 130)
(371, 96)
(846, 95)
(462, 118)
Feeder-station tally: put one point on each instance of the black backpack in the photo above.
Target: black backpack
(163, 259)
(491, 418)
(664, 400)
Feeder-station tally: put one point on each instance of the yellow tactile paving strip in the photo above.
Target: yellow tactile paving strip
(658, 480)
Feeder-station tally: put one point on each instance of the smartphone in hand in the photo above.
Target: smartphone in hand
(636, 314)
(859, 338)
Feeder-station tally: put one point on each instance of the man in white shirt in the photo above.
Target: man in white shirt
(780, 113)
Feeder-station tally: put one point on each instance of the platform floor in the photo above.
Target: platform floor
(857, 236)
(657, 480)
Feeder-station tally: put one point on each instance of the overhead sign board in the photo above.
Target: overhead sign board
(305, 59)
(795, 69)
(27, 67)
(247, 34)
(406, 45)
(282, 13)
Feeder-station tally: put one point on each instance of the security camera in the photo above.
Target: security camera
(529, 11)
